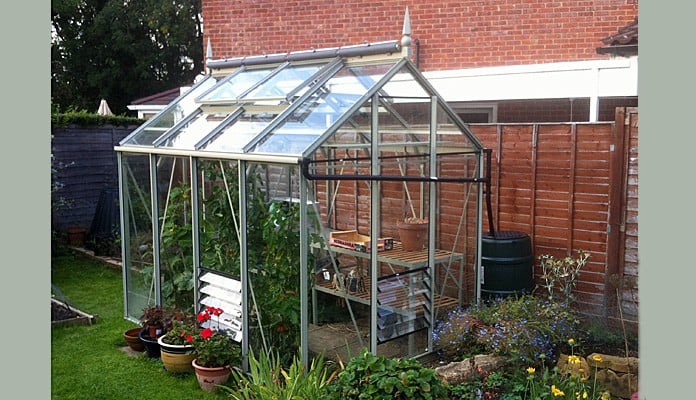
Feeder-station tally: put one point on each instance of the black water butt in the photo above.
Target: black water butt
(507, 264)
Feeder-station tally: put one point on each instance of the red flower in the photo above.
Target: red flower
(202, 317)
(189, 338)
(206, 333)
(213, 311)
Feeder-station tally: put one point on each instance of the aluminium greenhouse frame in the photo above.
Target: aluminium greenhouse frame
(299, 111)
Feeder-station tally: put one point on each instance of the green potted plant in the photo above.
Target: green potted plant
(176, 345)
(215, 351)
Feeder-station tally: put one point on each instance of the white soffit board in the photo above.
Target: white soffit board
(618, 77)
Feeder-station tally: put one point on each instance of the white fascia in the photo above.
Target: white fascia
(597, 78)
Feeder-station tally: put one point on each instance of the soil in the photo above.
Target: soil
(60, 312)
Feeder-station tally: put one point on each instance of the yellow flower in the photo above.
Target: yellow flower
(606, 396)
(571, 341)
(573, 360)
(584, 395)
(558, 392)
(597, 357)
(531, 370)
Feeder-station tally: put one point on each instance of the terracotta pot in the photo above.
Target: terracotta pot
(413, 236)
(210, 378)
(154, 331)
(76, 235)
(131, 337)
(176, 358)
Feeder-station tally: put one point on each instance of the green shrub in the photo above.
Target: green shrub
(85, 118)
(377, 377)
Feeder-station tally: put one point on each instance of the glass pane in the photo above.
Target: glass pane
(219, 216)
(274, 262)
(238, 133)
(176, 234)
(156, 126)
(283, 82)
(322, 109)
(234, 85)
(138, 234)
(187, 136)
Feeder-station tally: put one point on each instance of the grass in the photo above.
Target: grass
(87, 361)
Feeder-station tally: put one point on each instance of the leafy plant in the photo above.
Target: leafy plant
(154, 316)
(181, 329)
(488, 385)
(220, 221)
(377, 377)
(276, 281)
(268, 379)
(176, 242)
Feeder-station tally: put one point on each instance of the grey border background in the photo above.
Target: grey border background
(666, 198)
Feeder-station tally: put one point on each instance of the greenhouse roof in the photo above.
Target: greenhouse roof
(291, 106)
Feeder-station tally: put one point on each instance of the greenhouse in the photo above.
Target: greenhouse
(275, 188)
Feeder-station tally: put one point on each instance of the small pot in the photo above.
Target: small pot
(132, 339)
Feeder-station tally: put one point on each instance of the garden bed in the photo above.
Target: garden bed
(63, 315)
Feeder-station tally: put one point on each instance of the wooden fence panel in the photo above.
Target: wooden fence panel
(561, 184)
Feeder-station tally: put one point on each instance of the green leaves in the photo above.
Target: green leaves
(377, 377)
(268, 379)
(122, 51)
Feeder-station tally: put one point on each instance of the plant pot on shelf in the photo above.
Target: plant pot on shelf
(413, 234)
(132, 339)
(152, 347)
(209, 378)
(176, 358)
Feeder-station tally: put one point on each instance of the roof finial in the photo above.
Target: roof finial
(406, 50)
(209, 51)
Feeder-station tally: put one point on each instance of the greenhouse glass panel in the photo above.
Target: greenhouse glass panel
(234, 85)
(190, 133)
(284, 82)
(176, 232)
(137, 228)
(175, 112)
(235, 135)
(274, 262)
(321, 110)
(219, 218)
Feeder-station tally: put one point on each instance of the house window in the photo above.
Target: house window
(477, 113)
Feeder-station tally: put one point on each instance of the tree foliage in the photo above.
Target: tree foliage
(122, 50)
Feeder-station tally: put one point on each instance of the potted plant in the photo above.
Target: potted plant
(153, 321)
(176, 345)
(215, 351)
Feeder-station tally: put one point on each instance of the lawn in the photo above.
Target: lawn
(87, 361)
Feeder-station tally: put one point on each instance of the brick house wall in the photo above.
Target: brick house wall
(449, 35)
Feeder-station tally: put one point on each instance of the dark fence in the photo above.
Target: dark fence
(84, 168)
